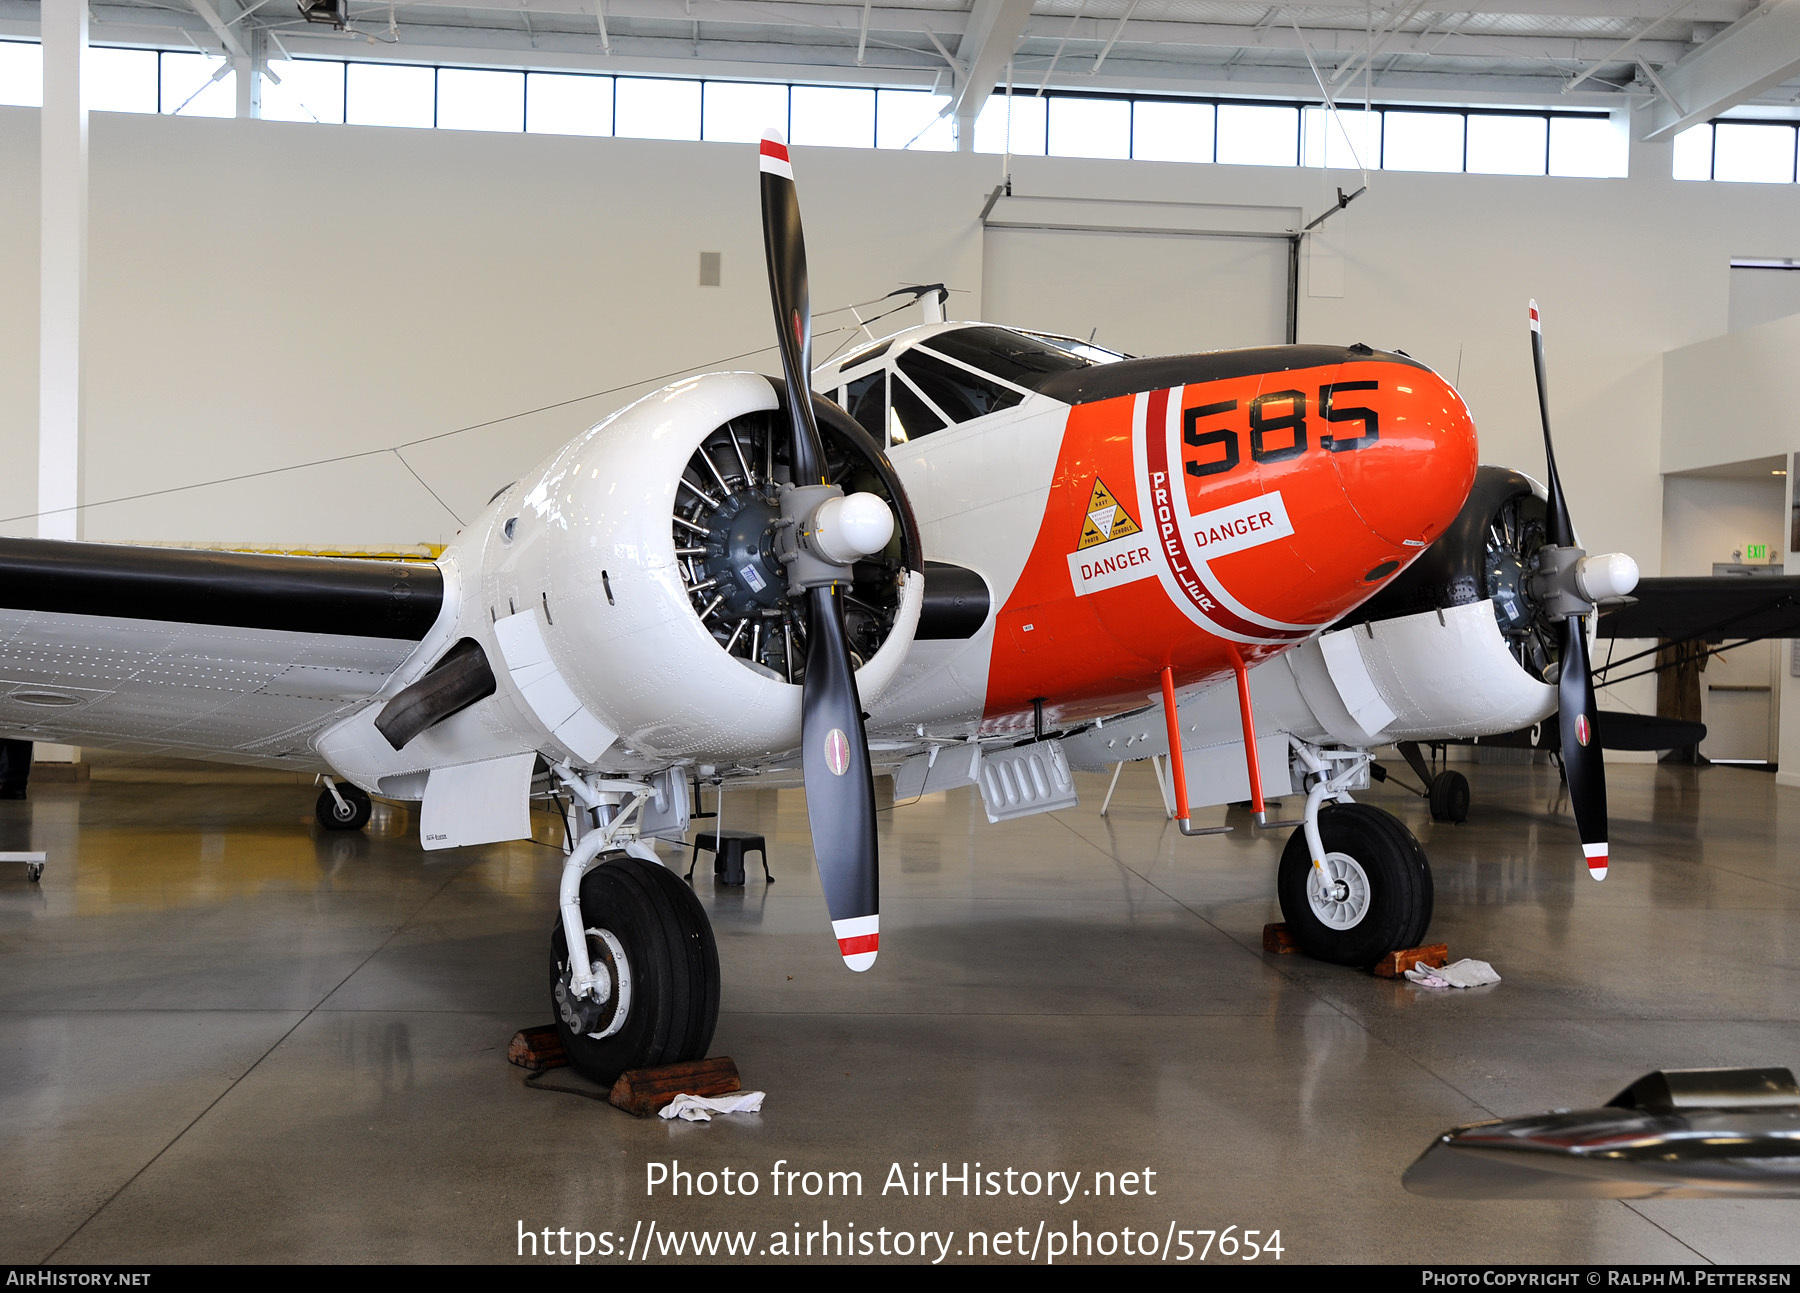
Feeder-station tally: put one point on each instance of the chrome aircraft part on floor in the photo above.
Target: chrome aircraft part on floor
(1682, 1134)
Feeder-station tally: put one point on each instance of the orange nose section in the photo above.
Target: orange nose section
(1408, 478)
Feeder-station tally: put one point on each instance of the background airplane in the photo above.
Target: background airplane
(1126, 557)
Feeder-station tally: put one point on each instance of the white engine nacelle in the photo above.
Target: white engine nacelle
(571, 583)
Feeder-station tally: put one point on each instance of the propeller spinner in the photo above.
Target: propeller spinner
(826, 534)
(1566, 585)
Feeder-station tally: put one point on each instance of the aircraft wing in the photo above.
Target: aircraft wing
(233, 656)
(1711, 607)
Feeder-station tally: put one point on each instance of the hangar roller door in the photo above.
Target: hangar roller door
(1146, 294)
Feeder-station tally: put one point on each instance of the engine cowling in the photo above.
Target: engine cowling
(629, 600)
(1459, 645)
(594, 549)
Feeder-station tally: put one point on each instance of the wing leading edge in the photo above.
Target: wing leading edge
(234, 656)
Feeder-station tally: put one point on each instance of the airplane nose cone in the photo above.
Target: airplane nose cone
(1409, 478)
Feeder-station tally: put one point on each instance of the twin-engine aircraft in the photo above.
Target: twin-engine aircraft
(980, 556)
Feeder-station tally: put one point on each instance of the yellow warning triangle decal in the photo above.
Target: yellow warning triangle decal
(1105, 519)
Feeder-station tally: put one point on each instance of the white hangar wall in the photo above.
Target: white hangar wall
(266, 293)
(1729, 399)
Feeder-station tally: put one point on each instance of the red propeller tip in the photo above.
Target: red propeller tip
(774, 157)
(1596, 860)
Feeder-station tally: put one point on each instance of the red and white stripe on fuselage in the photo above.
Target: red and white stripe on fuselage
(1185, 571)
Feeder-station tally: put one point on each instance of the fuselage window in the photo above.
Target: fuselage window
(865, 399)
(961, 394)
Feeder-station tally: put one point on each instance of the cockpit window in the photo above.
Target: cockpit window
(1016, 357)
(909, 417)
(1084, 349)
(865, 399)
(961, 394)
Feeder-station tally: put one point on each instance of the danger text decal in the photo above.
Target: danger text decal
(1112, 549)
(1108, 565)
(1262, 519)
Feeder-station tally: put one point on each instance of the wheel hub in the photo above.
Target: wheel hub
(605, 1012)
(1339, 893)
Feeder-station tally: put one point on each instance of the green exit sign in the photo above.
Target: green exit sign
(1756, 552)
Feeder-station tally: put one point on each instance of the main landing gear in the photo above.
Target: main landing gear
(656, 968)
(343, 807)
(1353, 883)
(634, 970)
(1371, 896)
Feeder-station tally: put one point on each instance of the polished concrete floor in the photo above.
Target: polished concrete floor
(225, 1035)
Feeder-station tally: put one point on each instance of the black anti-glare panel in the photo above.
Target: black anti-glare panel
(1129, 376)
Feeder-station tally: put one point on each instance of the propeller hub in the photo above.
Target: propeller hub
(823, 533)
(849, 528)
(1556, 586)
(1609, 575)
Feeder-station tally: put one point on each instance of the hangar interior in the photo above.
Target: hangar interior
(227, 1035)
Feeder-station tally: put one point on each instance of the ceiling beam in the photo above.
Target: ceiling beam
(989, 42)
(635, 55)
(227, 37)
(987, 45)
(1052, 31)
(848, 20)
(1346, 43)
(887, 24)
(1733, 67)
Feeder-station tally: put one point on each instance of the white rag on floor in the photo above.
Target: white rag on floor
(1464, 974)
(700, 1108)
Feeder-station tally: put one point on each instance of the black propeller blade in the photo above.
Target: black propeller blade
(840, 791)
(1582, 762)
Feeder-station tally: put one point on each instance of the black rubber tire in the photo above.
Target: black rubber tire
(353, 815)
(674, 963)
(1449, 797)
(1400, 888)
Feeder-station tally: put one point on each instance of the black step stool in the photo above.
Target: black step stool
(728, 849)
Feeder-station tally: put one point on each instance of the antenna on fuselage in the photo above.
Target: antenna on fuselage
(932, 298)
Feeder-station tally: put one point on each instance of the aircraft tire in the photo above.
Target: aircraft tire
(1449, 797)
(351, 815)
(1387, 890)
(648, 914)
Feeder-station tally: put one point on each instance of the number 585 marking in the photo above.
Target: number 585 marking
(1277, 428)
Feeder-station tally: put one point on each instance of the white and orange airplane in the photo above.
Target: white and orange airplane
(991, 556)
